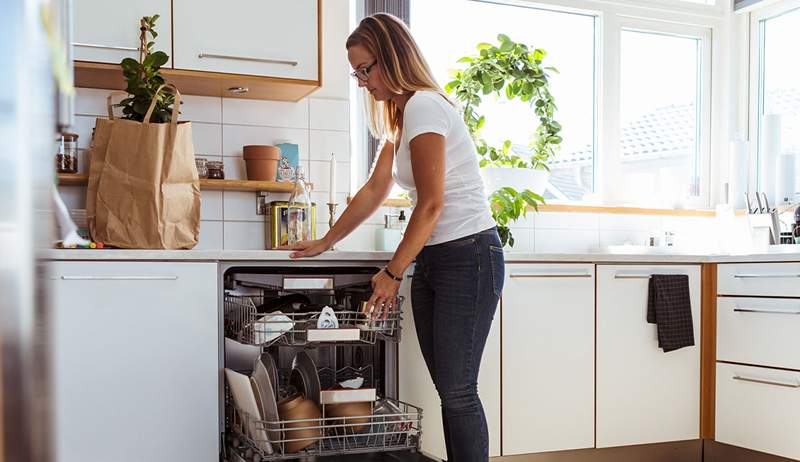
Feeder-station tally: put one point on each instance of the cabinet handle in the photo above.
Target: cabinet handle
(631, 276)
(768, 311)
(766, 382)
(548, 275)
(765, 276)
(119, 278)
(247, 58)
(105, 47)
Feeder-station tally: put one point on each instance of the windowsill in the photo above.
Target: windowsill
(621, 210)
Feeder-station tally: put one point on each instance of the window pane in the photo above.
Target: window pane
(659, 115)
(568, 39)
(780, 93)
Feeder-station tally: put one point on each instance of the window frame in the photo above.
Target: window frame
(755, 104)
(712, 22)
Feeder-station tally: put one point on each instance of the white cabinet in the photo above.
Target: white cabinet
(415, 384)
(264, 38)
(135, 361)
(108, 31)
(759, 279)
(643, 394)
(758, 408)
(548, 358)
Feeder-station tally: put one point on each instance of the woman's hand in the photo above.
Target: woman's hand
(307, 248)
(384, 296)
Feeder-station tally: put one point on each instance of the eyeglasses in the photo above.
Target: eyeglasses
(363, 73)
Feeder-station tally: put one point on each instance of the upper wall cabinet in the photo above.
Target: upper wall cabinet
(273, 38)
(257, 49)
(107, 31)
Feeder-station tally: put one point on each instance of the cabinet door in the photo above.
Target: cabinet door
(265, 37)
(108, 31)
(135, 361)
(643, 394)
(416, 387)
(758, 408)
(548, 358)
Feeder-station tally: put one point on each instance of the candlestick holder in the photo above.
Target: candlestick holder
(332, 218)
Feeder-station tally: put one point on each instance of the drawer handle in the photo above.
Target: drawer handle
(768, 311)
(766, 382)
(631, 276)
(119, 278)
(548, 275)
(766, 276)
(105, 47)
(247, 58)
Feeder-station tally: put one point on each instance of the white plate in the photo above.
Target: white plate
(245, 400)
(266, 390)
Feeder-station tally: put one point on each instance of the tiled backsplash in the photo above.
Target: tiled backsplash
(220, 127)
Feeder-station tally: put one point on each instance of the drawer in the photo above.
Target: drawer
(758, 408)
(761, 331)
(763, 279)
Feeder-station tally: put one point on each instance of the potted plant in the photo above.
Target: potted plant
(144, 78)
(513, 71)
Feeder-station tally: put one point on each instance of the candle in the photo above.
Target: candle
(332, 196)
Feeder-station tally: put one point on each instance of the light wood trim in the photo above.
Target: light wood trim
(708, 351)
(212, 185)
(109, 77)
(595, 209)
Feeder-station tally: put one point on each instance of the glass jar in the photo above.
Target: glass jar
(202, 167)
(216, 170)
(67, 153)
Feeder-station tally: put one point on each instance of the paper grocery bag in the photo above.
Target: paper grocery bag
(97, 157)
(148, 194)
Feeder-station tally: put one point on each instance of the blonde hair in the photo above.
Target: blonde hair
(402, 66)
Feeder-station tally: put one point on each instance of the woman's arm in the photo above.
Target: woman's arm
(427, 165)
(363, 205)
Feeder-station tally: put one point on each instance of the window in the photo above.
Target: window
(660, 117)
(569, 40)
(778, 112)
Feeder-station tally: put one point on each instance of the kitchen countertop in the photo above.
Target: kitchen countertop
(634, 255)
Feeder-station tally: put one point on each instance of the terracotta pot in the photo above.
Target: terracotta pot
(297, 408)
(350, 410)
(262, 162)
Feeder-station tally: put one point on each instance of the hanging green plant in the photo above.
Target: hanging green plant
(513, 71)
(144, 78)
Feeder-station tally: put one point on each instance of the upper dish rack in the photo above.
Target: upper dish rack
(246, 325)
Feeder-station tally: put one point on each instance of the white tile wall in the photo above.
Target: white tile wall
(549, 240)
(244, 235)
(265, 113)
(210, 235)
(330, 114)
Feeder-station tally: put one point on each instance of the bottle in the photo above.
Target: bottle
(401, 220)
(796, 232)
(299, 211)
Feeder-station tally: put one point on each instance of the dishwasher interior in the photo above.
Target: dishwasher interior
(307, 372)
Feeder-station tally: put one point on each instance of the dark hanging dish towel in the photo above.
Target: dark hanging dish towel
(669, 307)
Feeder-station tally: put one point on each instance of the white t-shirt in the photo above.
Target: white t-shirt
(466, 209)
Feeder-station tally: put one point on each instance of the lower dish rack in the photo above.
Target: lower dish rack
(391, 425)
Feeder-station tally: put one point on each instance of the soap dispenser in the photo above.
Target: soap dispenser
(388, 237)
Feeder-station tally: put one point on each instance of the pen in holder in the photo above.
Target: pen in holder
(332, 218)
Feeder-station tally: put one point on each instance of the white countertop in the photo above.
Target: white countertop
(775, 254)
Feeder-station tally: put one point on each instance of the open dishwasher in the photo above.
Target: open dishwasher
(306, 373)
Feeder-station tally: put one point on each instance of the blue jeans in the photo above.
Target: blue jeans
(454, 296)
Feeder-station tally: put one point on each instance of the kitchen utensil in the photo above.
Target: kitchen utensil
(299, 408)
(261, 162)
(760, 204)
(260, 396)
(327, 319)
(245, 401)
(360, 410)
(748, 203)
(270, 327)
(303, 365)
(266, 394)
(284, 303)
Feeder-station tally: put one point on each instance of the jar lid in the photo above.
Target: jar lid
(215, 164)
(69, 136)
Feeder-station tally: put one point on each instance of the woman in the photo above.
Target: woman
(459, 268)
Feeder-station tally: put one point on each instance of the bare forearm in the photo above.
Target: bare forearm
(363, 205)
(420, 226)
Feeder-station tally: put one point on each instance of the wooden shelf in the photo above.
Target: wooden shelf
(66, 179)
(109, 77)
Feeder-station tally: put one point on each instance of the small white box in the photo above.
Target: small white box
(357, 395)
(346, 334)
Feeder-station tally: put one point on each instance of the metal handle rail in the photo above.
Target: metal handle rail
(766, 311)
(549, 275)
(104, 47)
(766, 276)
(766, 382)
(248, 58)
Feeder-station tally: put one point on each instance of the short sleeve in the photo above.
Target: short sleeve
(424, 114)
